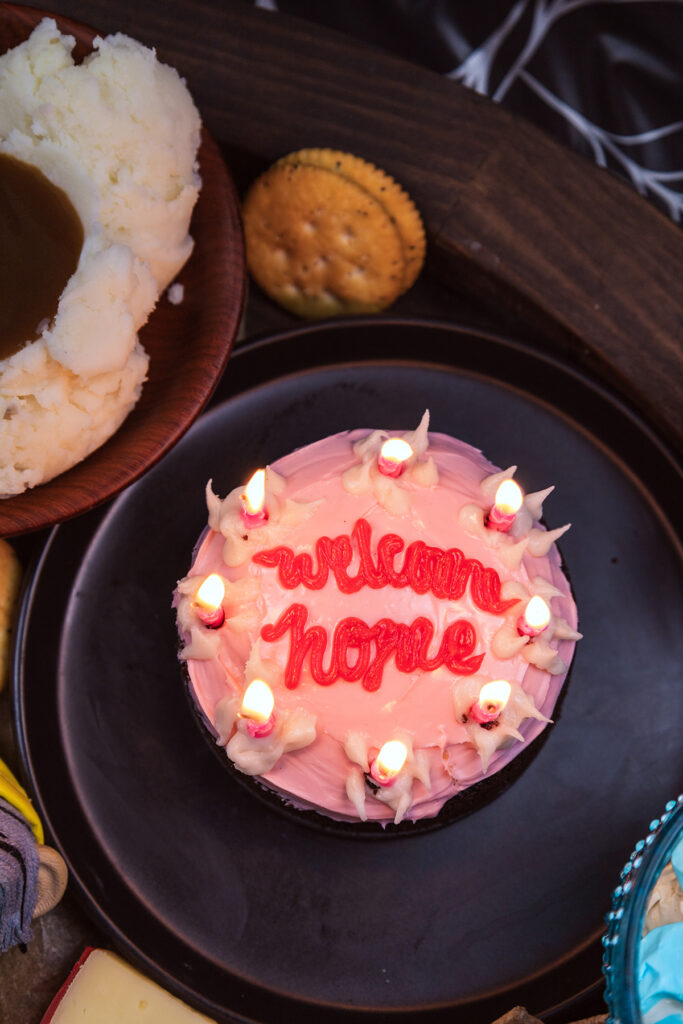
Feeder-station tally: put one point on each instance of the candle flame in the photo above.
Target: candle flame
(494, 696)
(396, 450)
(255, 491)
(258, 701)
(211, 593)
(537, 613)
(509, 497)
(391, 758)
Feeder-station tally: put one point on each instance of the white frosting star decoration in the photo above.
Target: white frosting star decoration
(240, 615)
(256, 755)
(523, 536)
(507, 642)
(390, 492)
(241, 541)
(399, 795)
(490, 736)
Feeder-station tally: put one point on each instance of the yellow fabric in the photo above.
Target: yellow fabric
(14, 793)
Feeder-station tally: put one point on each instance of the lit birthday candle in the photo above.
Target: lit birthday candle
(534, 619)
(254, 511)
(257, 709)
(208, 601)
(507, 504)
(393, 456)
(492, 699)
(389, 762)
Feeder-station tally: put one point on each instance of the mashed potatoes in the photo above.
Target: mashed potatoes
(119, 134)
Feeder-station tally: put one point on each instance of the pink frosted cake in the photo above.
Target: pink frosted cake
(365, 601)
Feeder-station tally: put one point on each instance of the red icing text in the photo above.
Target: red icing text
(444, 572)
(371, 647)
(358, 650)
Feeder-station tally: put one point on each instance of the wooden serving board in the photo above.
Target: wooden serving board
(513, 218)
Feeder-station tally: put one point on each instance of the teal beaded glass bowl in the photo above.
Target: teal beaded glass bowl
(621, 941)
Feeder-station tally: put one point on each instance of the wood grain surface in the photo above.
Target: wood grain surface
(512, 217)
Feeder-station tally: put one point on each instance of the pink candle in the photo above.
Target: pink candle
(492, 699)
(534, 619)
(384, 768)
(507, 504)
(254, 512)
(260, 729)
(257, 709)
(393, 456)
(208, 602)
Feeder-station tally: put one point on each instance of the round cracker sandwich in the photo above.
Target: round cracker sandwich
(328, 233)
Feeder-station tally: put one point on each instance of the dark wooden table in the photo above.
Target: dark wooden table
(524, 238)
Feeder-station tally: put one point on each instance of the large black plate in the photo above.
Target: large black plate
(239, 909)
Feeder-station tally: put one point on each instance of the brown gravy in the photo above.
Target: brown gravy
(41, 237)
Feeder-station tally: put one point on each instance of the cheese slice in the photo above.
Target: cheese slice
(104, 989)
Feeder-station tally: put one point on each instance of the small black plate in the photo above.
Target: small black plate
(247, 914)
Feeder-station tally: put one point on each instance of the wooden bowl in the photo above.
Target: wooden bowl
(188, 344)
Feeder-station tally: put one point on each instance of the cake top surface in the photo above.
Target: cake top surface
(375, 608)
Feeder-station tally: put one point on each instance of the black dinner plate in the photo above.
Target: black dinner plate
(242, 911)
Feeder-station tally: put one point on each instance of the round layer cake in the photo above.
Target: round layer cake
(376, 596)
